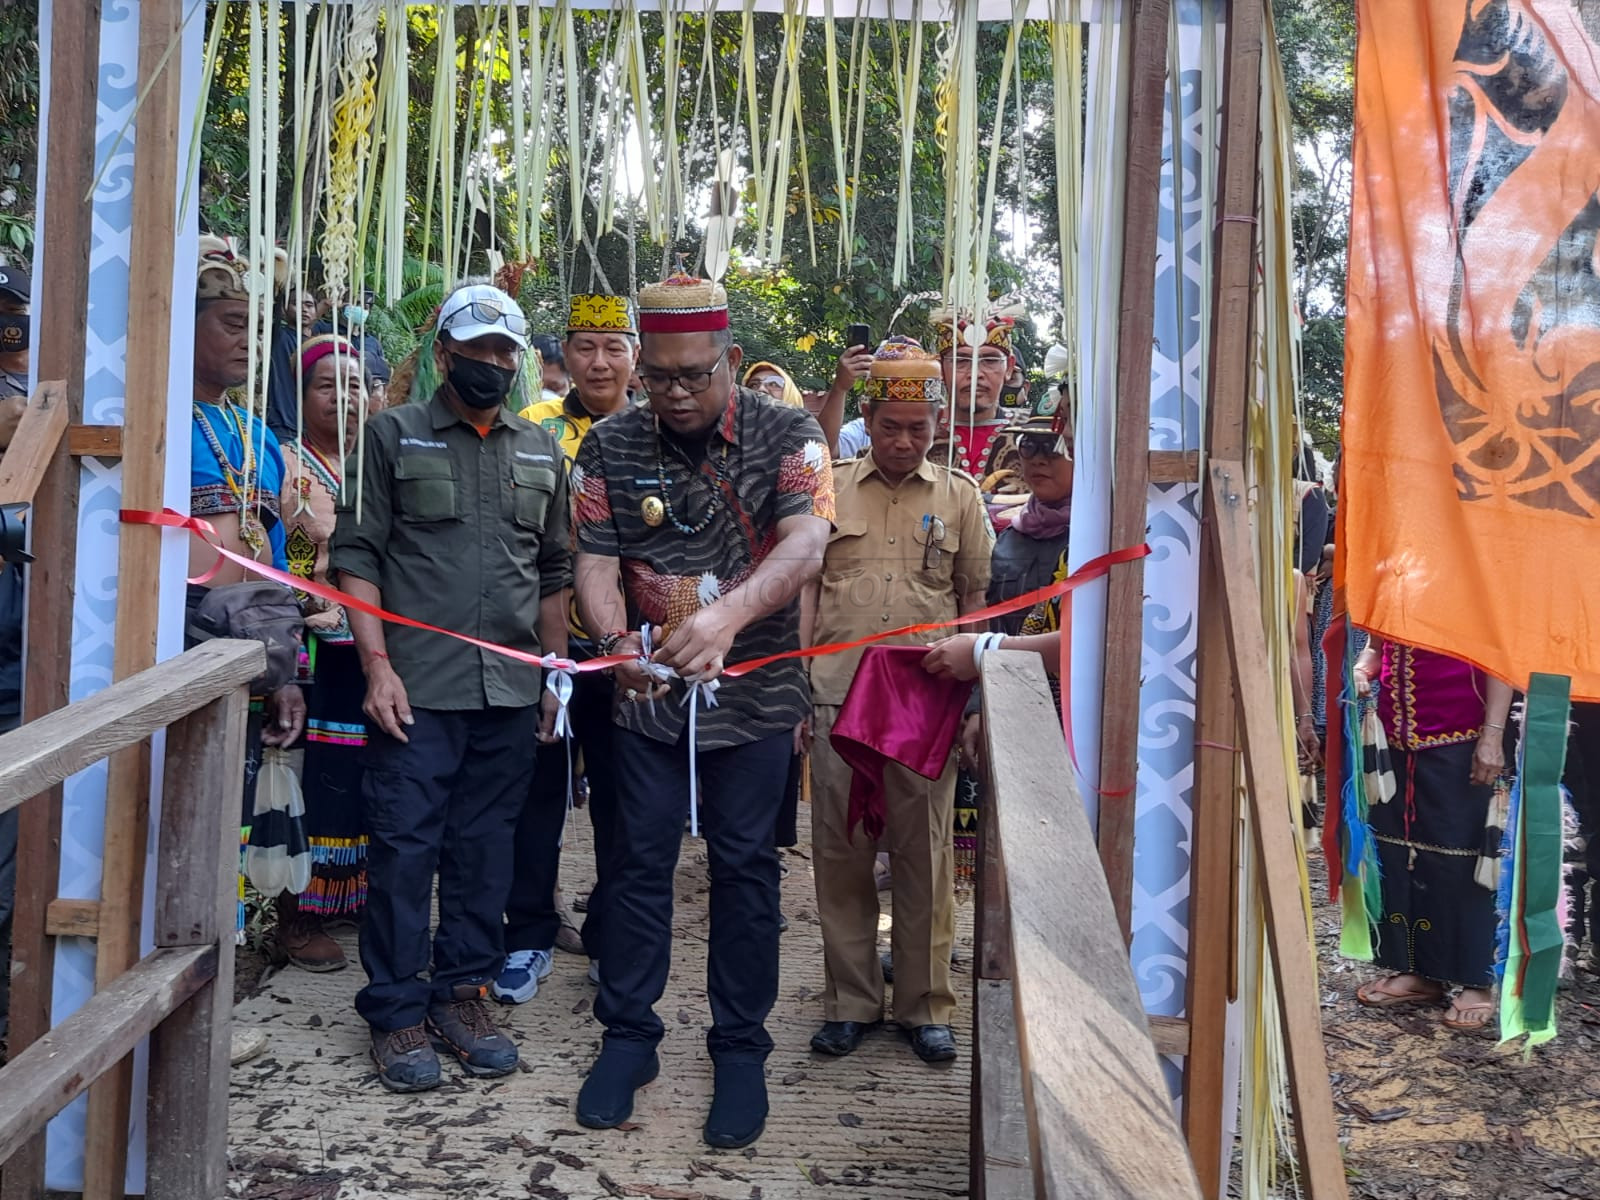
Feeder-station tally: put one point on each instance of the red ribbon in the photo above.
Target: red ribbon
(206, 532)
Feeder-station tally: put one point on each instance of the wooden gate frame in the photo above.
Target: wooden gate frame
(181, 994)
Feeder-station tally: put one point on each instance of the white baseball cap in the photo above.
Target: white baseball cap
(481, 310)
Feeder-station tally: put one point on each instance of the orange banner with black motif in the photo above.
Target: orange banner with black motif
(1470, 505)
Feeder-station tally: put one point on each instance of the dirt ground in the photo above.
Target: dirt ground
(1429, 1114)
(308, 1120)
(1426, 1114)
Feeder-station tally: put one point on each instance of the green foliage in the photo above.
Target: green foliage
(1318, 49)
(19, 126)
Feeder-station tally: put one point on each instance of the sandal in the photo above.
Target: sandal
(1461, 1016)
(1372, 995)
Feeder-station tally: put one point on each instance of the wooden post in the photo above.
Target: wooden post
(1212, 901)
(1130, 496)
(1099, 1113)
(63, 294)
(155, 185)
(1231, 604)
(1273, 821)
(188, 1130)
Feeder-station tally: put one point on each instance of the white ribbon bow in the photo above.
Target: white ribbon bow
(701, 692)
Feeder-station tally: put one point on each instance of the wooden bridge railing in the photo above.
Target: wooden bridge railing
(182, 992)
(1067, 1097)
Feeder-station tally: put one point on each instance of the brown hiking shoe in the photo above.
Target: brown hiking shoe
(405, 1060)
(307, 944)
(463, 1025)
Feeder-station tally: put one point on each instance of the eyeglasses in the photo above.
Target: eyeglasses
(1043, 445)
(934, 528)
(693, 382)
(770, 384)
(488, 312)
(986, 362)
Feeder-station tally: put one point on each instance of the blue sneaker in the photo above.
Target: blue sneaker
(518, 981)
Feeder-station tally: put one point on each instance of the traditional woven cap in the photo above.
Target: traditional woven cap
(955, 330)
(224, 271)
(683, 303)
(903, 371)
(596, 313)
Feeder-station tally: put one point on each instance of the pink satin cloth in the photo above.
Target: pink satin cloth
(894, 712)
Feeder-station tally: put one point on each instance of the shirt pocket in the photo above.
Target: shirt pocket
(426, 487)
(939, 561)
(531, 491)
(846, 556)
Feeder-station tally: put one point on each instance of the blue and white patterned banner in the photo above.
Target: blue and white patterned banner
(100, 498)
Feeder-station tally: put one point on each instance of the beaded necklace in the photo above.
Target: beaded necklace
(716, 500)
(326, 475)
(241, 482)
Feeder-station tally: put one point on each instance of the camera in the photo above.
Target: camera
(14, 534)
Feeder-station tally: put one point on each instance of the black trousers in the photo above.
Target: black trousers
(740, 791)
(8, 892)
(446, 800)
(531, 918)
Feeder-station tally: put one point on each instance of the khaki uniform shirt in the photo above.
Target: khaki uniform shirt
(881, 572)
(462, 530)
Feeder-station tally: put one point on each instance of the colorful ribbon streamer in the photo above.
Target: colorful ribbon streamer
(564, 669)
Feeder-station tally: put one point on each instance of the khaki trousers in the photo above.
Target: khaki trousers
(918, 838)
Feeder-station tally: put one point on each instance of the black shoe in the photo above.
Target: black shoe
(606, 1098)
(738, 1105)
(783, 923)
(406, 1063)
(839, 1038)
(933, 1043)
(886, 961)
(463, 1026)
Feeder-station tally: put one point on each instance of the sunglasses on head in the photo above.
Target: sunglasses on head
(489, 312)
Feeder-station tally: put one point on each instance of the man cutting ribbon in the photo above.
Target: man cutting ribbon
(702, 514)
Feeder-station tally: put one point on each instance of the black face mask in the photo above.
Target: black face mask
(480, 384)
(13, 333)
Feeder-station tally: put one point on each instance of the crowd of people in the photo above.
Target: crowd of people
(633, 492)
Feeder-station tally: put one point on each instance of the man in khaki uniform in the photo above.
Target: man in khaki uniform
(912, 544)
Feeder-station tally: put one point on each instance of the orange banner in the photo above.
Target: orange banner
(1471, 494)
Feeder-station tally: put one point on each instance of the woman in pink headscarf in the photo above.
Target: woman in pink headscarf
(333, 405)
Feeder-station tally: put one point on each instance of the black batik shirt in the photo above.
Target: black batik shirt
(776, 466)
(462, 530)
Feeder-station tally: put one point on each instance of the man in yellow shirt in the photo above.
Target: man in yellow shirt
(601, 347)
(911, 544)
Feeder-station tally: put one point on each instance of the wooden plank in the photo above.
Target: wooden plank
(61, 285)
(1213, 915)
(1170, 1035)
(144, 442)
(73, 918)
(46, 751)
(187, 1141)
(94, 441)
(1098, 1103)
(1174, 466)
(991, 917)
(1130, 492)
(1275, 809)
(1232, 362)
(1002, 1158)
(204, 781)
(34, 445)
(52, 1072)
